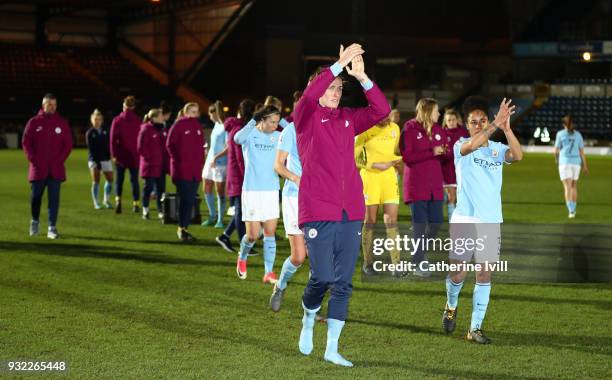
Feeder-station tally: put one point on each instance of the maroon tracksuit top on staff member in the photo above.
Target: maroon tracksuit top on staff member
(423, 170)
(330, 182)
(47, 143)
(185, 147)
(151, 147)
(235, 160)
(448, 162)
(124, 136)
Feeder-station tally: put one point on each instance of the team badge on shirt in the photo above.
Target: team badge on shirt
(437, 136)
(346, 123)
(199, 132)
(419, 136)
(272, 138)
(58, 130)
(494, 153)
(39, 128)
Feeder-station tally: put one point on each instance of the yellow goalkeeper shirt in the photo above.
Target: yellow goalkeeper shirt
(377, 144)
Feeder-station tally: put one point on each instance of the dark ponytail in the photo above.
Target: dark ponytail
(568, 123)
(264, 112)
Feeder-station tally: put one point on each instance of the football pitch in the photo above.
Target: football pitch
(119, 297)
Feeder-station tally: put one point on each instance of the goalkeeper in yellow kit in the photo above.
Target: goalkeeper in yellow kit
(377, 155)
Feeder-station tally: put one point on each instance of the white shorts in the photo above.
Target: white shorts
(290, 216)
(474, 239)
(259, 206)
(107, 166)
(216, 174)
(569, 171)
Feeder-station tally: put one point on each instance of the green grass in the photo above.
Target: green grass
(118, 297)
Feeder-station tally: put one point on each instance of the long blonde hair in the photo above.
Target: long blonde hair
(424, 110)
(152, 114)
(187, 106)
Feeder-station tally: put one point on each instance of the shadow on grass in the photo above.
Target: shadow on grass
(398, 326)
(454, 373)
(555, 203)
(582, 343)
(168, 322)
(93, 251)
(197, 243)
(163, 285)
(602, 304)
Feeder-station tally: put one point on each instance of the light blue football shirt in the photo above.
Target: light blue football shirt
(569, 145)
(287, 142)
(259, 151)
(479, 181)
(218, 140)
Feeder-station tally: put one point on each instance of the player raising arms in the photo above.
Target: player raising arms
(569, 155)
(331, 206)
(479, 165)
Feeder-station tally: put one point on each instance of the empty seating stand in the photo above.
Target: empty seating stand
(28, 72)
(592, 116)
(125, 77)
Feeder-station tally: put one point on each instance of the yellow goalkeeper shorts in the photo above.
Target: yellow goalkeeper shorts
(380, 187)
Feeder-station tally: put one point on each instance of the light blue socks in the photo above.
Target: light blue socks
(334, 329)
(480, 302)
(571, 206)
(108, 189)
(286, 273)
(269, 252)
(308, 322)
(245, 247)
(210, 203)
(221, 209)
(94, 193)
(452, 293)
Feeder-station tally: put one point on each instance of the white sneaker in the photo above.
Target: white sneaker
(572, 215)
(52, 233)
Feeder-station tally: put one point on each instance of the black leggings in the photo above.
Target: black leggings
(133, 180)
(157, 183)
